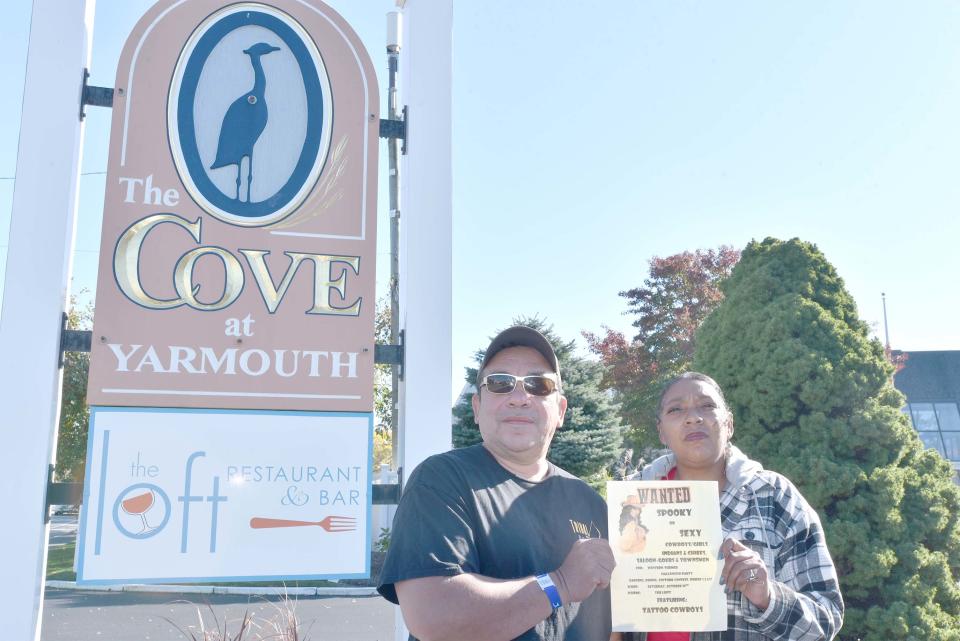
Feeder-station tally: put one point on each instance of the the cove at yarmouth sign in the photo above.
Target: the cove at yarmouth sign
(231, 373)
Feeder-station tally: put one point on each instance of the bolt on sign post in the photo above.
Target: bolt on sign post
(231, 375)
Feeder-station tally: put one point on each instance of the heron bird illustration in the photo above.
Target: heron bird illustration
(244, 121)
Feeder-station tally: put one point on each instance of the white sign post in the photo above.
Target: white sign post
(35, 292)
(426, 282)
(426, 285)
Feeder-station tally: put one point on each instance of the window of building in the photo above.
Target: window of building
(938, 425)
(924, 417)
(948, 416)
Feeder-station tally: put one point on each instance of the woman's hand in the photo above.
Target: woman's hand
(744, 570)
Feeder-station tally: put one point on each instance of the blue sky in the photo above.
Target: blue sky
(586, 143)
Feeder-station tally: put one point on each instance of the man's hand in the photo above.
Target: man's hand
(586, 568)
(471, 607)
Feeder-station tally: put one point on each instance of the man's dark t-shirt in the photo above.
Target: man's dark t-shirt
(461, 512)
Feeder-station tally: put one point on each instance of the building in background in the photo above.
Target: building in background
(931, 383)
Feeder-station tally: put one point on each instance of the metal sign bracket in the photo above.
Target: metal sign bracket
(395, 129)
(63, 494)
(73, 340)
(96, 96)
(390, 354)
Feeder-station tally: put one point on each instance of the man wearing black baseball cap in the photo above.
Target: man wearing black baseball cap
(493, 541)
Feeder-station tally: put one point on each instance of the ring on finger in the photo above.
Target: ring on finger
(752, 576)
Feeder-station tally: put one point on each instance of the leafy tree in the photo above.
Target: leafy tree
(74, 412)
(382, 387)
(812, 397)
(679, 293)
(591, 434)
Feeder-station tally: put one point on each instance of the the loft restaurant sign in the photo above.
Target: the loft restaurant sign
(219, 495)
(236, 274)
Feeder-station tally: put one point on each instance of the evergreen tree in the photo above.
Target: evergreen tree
(812, 398)
(591, 434)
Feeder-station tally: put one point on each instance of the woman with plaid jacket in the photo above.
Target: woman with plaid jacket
(780, 580)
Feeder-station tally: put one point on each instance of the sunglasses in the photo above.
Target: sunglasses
(535, 384)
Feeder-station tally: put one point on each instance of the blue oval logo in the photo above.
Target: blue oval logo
(249, 115)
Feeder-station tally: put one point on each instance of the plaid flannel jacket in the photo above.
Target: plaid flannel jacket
(766, 512)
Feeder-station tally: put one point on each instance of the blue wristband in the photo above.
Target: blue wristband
(546, 584)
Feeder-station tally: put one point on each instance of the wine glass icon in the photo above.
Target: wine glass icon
(139, 505)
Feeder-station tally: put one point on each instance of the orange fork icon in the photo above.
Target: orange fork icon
(330, 524)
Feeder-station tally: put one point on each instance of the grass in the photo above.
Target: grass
(60, 563)
(60, 568)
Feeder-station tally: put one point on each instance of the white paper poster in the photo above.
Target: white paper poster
(666, 537)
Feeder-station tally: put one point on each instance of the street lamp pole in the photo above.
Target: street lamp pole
(394, 42)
